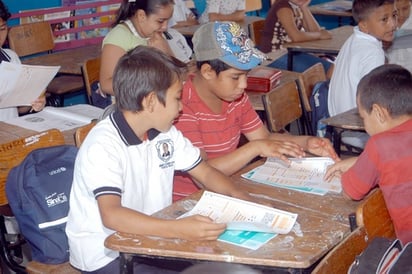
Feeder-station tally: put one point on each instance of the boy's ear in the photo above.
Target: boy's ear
(207, 72)
(149, 101)
(381, 113)
(363, 26)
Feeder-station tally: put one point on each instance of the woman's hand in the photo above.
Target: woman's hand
(39, 103)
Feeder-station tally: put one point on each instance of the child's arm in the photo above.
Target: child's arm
(313, 31)
(116, 217)
(338, 168)
(236, 16)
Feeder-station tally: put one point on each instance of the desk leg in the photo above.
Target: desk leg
(126, 263)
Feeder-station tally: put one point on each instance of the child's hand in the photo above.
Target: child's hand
(337, 169)
(321, 147)
(325, 34)
(39, 103)
(199, 228)
(158, 41)
(279, 149)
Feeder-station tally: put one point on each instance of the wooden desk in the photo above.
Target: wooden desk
(190, 30)
(348, 120)
(256, 97)
(70, 60)
(339, 8)
(322, 223)
(10, 132)
(330, 46)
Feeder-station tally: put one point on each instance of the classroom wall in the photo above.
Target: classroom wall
(15, 6)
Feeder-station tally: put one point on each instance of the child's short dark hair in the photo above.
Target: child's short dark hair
(4, 12)
(389, 86)
(143, 70)
(362, 8)
(217, 65)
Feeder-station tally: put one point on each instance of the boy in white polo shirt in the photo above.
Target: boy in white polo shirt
(122, 174)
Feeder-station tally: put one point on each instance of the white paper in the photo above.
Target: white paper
(243, 215)
(62, 118)
(21, 84)
(305, 174)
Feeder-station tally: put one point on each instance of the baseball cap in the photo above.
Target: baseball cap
(228, 42)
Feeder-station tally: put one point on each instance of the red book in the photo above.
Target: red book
(263, 79)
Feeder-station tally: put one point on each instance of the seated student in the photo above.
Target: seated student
(384, 99)
(291, 21)
(400, 51)
(122, 172)
(182, 15)
(8, 55)
(361, 53)
(217, 111)
(223, 10)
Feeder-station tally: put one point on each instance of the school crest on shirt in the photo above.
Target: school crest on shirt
(165, 150)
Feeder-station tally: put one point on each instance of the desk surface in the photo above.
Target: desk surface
(332, 46)
(338, 8)
(70, 60)
(347, 120)
(10, 132)
(322, 223)
(190, 30)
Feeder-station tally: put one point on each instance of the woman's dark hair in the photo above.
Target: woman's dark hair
(4, 12)
(141, 71)
(128, 9)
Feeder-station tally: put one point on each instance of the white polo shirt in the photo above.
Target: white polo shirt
(358, 56)
(113, 160)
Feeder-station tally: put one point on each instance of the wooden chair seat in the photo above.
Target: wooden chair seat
(64, 84)
(34, 267)
(255, 31)
(82, 132)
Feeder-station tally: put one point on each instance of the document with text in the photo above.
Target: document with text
(303, 174)
(61, 118)
(21, 84)
(243, 215)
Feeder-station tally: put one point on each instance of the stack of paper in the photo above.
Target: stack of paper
(303, 174)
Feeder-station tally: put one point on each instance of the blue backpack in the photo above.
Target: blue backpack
(38, 191)
(319, 104)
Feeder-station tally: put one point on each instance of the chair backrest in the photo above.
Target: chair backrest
(82, 132)
(255, 30)
(90, 72)
(282, 106)
(31, 38)
(307, 81)
(339, 259)
(374, 216)
(253, 5)
(13, 153)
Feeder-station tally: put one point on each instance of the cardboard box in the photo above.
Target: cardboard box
(263, 79)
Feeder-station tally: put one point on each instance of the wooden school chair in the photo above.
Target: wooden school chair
(82, 132)
(11, 154)
(373, 220)
(282, 107)
(90, 73)
(37, 38)
(255, 31)
(306, 82)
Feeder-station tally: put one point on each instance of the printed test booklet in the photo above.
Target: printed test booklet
(248, 224)
(303, 174)
(62, 118)
(21, 84)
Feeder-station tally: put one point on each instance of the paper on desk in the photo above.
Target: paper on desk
(61, 118)
(21, 84)
(303, 174)
(243, 215)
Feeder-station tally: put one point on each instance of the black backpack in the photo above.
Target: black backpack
(38, 190)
